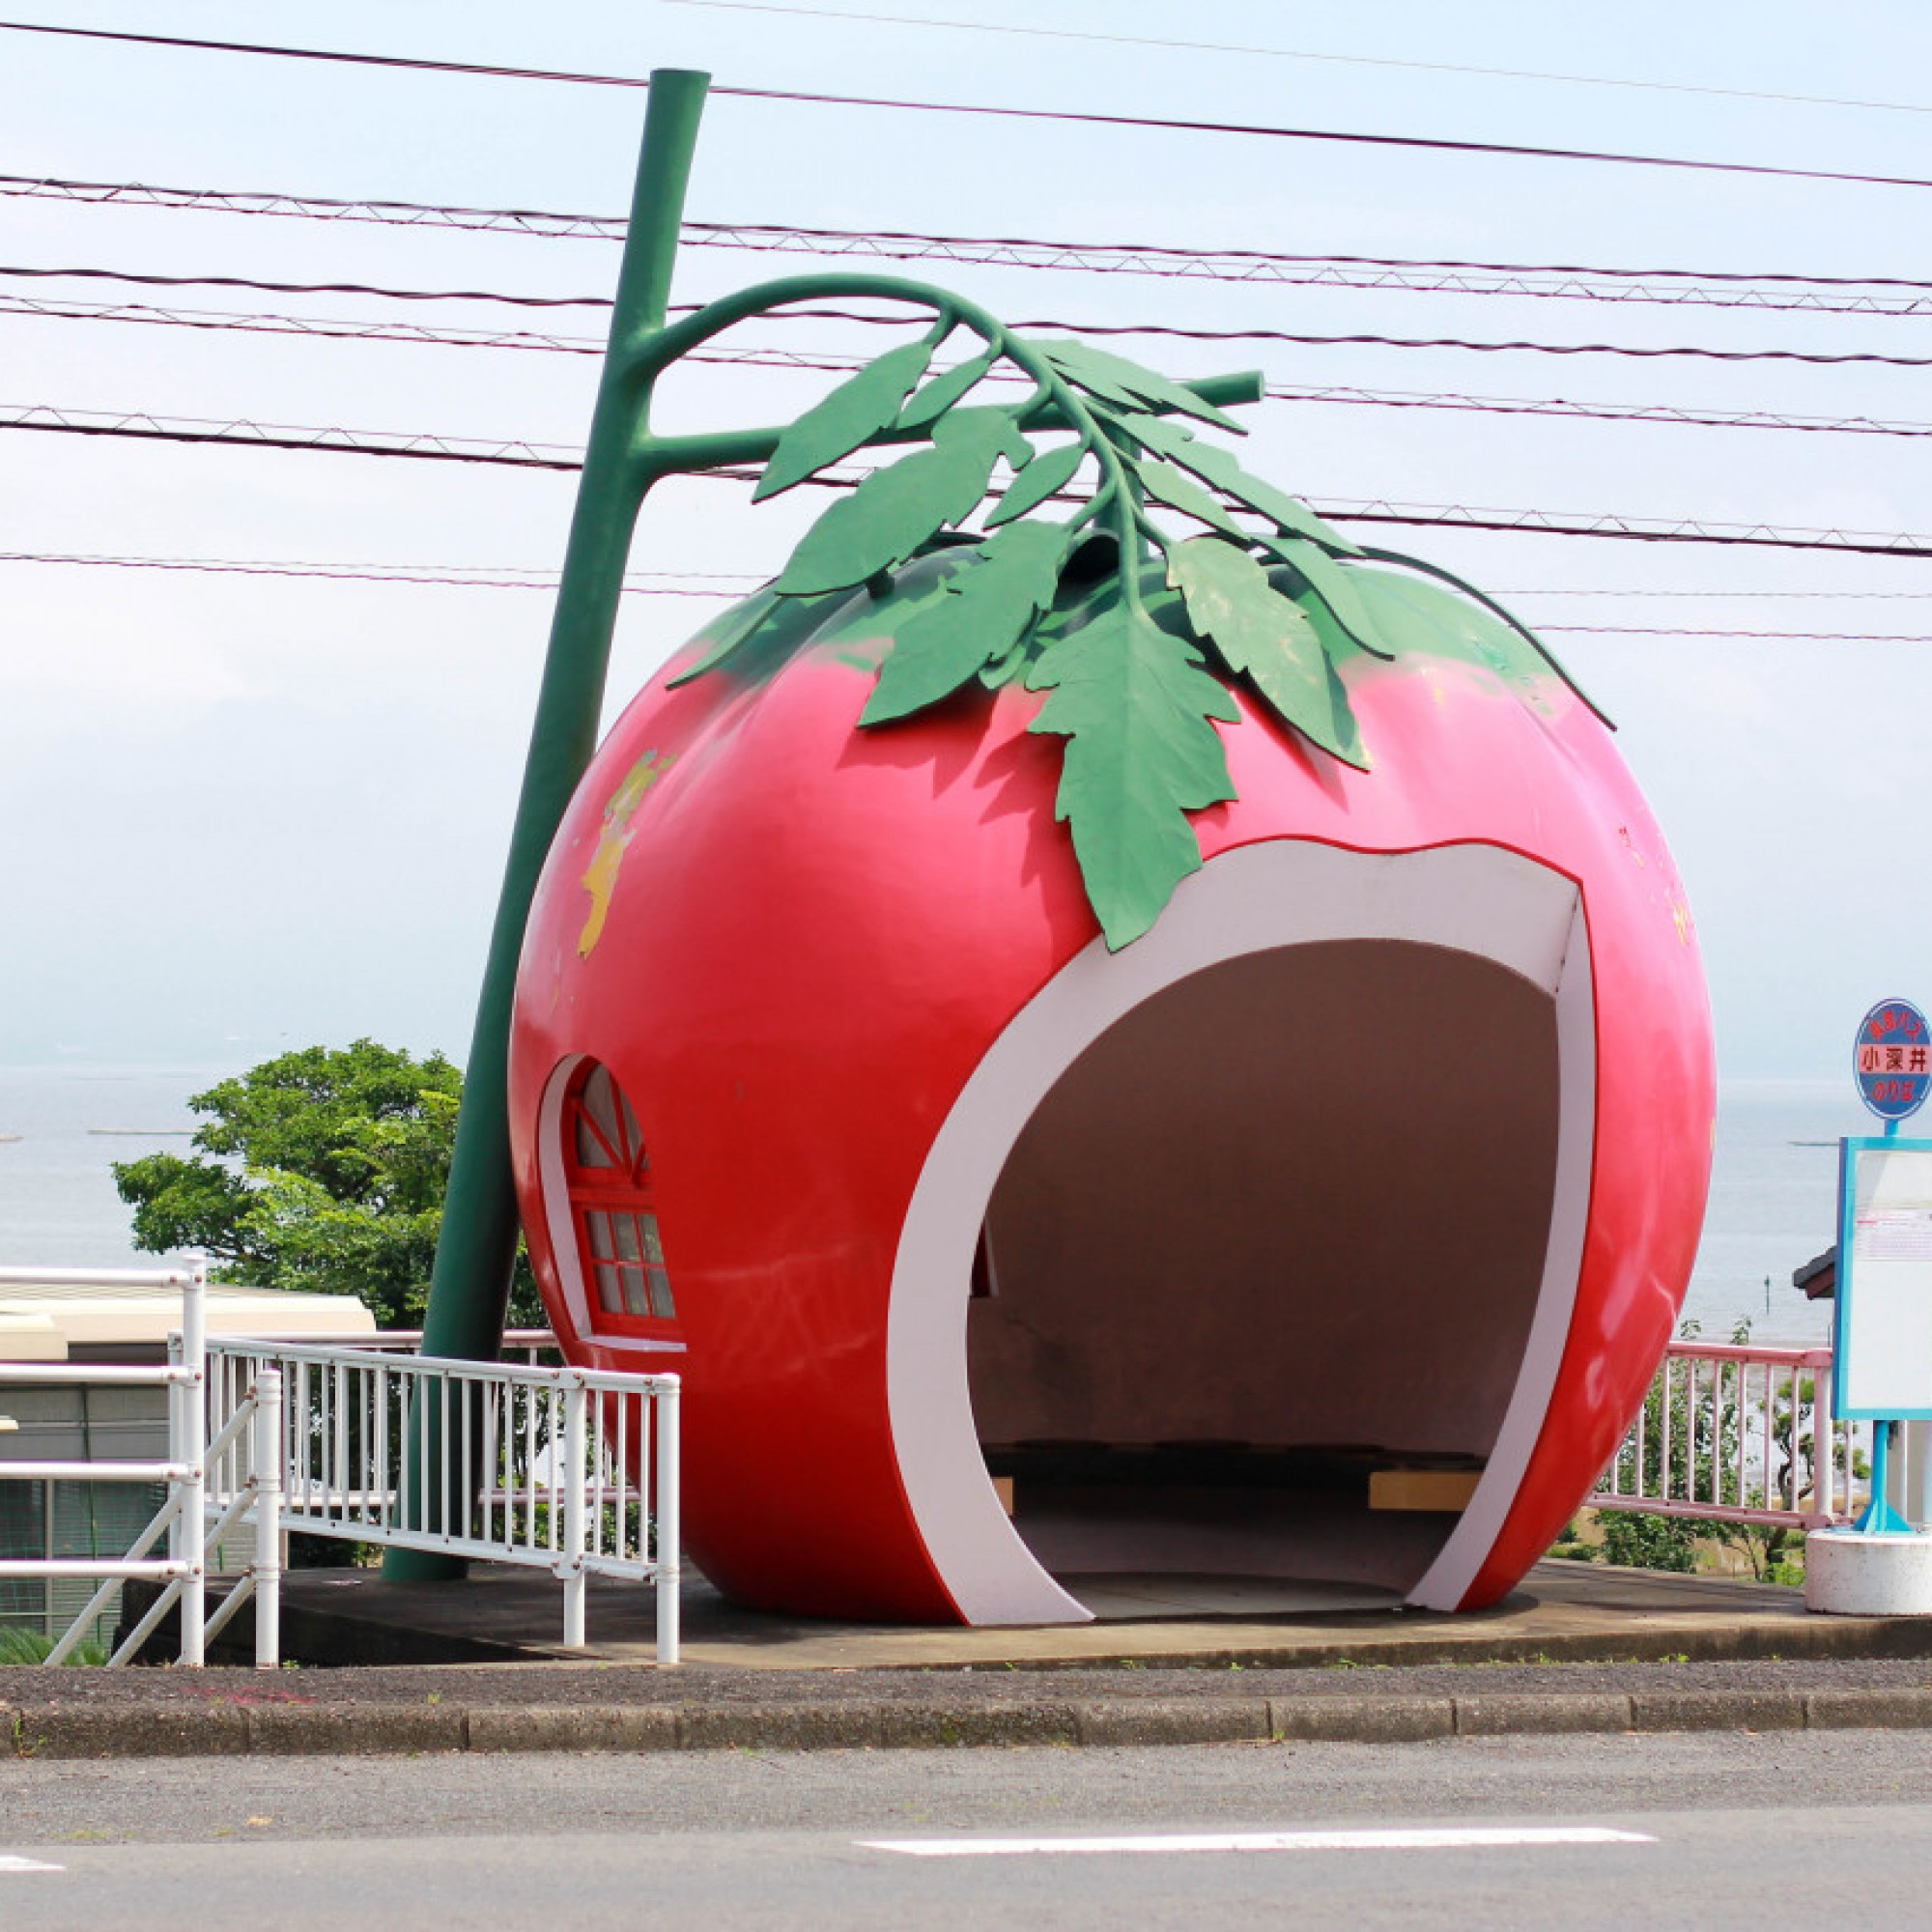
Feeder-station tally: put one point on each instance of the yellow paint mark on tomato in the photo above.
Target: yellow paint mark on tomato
(1680, 914)
(600, 876)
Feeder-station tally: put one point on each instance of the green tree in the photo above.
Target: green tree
(323, 1169)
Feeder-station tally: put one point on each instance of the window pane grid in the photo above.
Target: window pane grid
(619, 1240)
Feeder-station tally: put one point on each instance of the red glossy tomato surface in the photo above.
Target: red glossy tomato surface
(792, 944)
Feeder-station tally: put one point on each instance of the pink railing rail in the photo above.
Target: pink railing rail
(1737, 1433)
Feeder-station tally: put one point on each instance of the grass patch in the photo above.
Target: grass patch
(20, 1645)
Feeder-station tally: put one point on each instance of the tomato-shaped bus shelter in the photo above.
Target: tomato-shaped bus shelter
(996, 1262)
(982, 1020)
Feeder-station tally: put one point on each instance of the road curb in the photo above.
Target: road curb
(176, 1729)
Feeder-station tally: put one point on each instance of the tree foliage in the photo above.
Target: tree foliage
(323, 1170)
(1693, 1450)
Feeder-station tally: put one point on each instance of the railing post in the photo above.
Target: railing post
(670, 1564)
(1664, 1432)
(193, 1452)
(1915, 1501)
(178, 1452)
(268, 1451)
(1824, 1445)
(572, 1478)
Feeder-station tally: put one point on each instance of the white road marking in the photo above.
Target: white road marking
(10, 1864)
(1447, 1840)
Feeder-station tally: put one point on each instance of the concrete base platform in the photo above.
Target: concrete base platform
(1567, 1612)
(1851, 1572)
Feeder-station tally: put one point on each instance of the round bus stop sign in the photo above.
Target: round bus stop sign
(1893, 1060)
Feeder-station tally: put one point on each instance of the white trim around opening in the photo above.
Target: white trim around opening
(1475, 898)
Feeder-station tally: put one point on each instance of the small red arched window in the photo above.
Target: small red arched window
(608, 1174)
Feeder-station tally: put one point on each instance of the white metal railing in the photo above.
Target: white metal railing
(1736, 1433)
(530, 1345)
(568, 1469)
(183, 1518)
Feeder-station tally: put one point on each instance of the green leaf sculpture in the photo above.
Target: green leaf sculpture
(847, 420)
(1266, 597)
(1266, 638)
(1136, 709)
(984, 616)
(894, 512)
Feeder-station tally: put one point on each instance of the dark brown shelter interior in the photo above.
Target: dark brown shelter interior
(1281, 1227)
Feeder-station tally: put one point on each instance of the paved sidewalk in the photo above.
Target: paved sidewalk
(1564, 1611)
(1580, 1649)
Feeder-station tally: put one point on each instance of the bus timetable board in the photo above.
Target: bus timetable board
(1882, 1326)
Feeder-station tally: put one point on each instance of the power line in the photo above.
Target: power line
(1621, 590)
(1666, 413)
(350, 328)
(141, 425)
(1775, 637)
(321, 208)
(476, 577)
(1669, 288)
(1638, 530)
(1302, 54)
(341, 329)
(544, 456)
(1160, 259)
(386, 292)
(422, 335)
(718, 585)
(1064, 117)
(337, 328)
(1297, 339)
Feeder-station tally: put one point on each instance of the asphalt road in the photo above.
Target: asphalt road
(1704, 1830)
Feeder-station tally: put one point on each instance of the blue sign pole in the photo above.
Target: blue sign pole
(1891, 1060)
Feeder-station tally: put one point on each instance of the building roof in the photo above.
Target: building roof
(43, 1322)
(1819, 1276)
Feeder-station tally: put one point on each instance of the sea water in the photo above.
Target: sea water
(1773, 1190)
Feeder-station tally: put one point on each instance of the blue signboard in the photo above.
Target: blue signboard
(1882, 1329)
(1892, 1059)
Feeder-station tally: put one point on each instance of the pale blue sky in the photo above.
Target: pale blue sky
(241, 813)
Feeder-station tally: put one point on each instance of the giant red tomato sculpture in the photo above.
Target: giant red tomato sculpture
(1385, 1150)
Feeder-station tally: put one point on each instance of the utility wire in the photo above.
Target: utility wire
(550, 456)
(591, 345)
(1638, 530)
(331, 329)
(387, 292)
(338, 328)
(1702, 631)
(348, 328)
(234, 432)
(1668, 413)
(480, 576)
(675, 584)
(1152, 258)
(341, 328)
(1176, 333)
(1172, 333)
(1621, 590)
(1303, 54)
(1064, 117)
(1666, 288)
(322, 208)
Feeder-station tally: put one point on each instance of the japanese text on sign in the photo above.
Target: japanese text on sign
(1891, 1059)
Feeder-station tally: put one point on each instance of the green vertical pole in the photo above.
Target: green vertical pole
(469, 1288)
